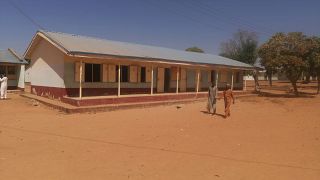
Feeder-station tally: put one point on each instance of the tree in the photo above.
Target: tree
(313, 58)
(195, 49)
(286, 52)
(242, 47)
(269, 71)
(317, 69)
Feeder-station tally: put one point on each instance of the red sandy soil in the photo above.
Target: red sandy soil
(273, 137)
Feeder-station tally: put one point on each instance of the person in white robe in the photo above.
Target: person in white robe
(4, 86)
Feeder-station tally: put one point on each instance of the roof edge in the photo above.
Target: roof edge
(15, 54)
(54, 41)
(43, 34)
(78, 53)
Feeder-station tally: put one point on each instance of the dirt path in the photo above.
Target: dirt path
(265, 138)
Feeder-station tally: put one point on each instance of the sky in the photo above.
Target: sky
(176, 24)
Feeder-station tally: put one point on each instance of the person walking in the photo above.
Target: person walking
(4, 86)
(212, 98)
(228, 97)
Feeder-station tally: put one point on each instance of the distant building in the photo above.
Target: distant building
(13, 66)
(262, 76)
(73, 67)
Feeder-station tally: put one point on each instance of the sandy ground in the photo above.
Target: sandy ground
(265, 138)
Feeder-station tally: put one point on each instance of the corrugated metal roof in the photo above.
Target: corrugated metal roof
(9, 56)
(82, 44)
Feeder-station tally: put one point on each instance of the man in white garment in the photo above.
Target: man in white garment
(4, 86)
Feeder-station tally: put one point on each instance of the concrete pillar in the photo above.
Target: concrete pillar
(217, 78)
(151, 80)
(80, 78)
(177, 88)
(198, 80)
(245, 83)
(232, 81)
(119, 79)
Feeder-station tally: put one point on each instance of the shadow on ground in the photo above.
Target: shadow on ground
(287, 95)
(216, 114)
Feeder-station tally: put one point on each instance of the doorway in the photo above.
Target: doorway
(213, 76)
(167, 75)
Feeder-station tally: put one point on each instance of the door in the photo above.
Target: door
(183, 80)
(160, 80)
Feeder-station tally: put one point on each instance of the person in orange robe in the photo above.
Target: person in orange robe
(228, 98)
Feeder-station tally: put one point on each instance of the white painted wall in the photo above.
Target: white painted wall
(261, 77)
(27, 75)
(47, 66)
(21, 75)
(248, 78)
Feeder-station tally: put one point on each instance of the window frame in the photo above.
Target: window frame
(6, 71)
(122, 72)
(143, 74)
(237, 74)
(86, 69)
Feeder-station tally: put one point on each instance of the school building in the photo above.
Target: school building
(82, 70)
(13, 66)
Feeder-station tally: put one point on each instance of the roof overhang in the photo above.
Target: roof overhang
(35, 41)
(153, 60)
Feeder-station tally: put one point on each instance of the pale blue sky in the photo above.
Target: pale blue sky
(176, 24)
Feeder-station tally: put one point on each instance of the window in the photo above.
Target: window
(143, 74)
(124, 73)
(2, 69)
(11, 70)
(88, 73)
(237, 77)
(92, 72)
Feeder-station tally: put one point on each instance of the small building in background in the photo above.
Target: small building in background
(14, 67)
(262, 74)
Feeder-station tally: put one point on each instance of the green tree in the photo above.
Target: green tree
(286, 53)
(195, 49)
(269, 72)
(317, 69)
(313, 58)
(242, 47)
